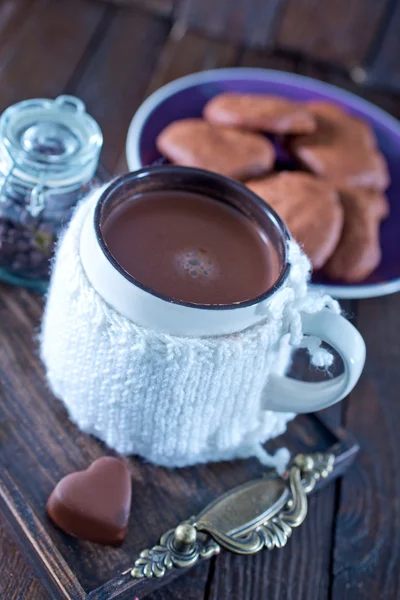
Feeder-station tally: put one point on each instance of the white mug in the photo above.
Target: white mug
(153, 311)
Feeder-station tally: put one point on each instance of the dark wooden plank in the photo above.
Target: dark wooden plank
(160, 7)
(183, 582)
(301, 570)
(251, 22)
(63, 584)
(389, 101)
(189, 587)
(337, 31)
(318, 70)
(13, 13)
(27, 66)
(187, 52)
(264, 60)
(17, 581)
(367, 524)
(114, 81)
(384, 67)
(286, 573)
(184, 53)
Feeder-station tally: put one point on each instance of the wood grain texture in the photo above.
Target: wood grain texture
(160, 7)
(188, 52)
(62, 583)
(388, 100)
(384, 67)
(337, 31)
(115, 78)
(367, 531)
(13, 13)
(263, 60)
(300, 571)
(190, 587)
(250, 22)
(17, 581)
(41, 54)
(184, 53)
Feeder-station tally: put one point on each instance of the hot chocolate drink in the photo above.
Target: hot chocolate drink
(191, 247)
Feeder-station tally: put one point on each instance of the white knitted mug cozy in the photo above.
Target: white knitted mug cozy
(173, 400)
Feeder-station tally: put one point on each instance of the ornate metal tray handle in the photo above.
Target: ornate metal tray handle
(259, 514)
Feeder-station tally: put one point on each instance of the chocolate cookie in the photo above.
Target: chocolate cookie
(272, 114)
(358, 252)
(309, 206)
(225, 150)
(343, 149)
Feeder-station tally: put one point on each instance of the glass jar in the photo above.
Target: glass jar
(49, 151)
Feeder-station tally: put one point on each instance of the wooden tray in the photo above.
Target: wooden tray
(46, 447)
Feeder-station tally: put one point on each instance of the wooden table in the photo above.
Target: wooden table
(112, 57)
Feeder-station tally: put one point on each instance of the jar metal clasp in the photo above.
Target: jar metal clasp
(37, 200)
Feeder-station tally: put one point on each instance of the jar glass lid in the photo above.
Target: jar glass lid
(50, 139)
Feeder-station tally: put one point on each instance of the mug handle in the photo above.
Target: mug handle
(290, 395)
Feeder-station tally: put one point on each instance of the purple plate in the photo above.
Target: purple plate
(187, 96)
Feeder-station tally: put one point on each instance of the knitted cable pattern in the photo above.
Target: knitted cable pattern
(175, 401)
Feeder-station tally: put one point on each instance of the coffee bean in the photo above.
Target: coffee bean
(27, 241)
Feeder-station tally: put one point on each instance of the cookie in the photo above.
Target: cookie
(309, 206)
(225, 150)
(358, 252)
(257, 112)
(343, 149)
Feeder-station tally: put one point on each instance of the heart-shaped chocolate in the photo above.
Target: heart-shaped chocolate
(94, 504)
